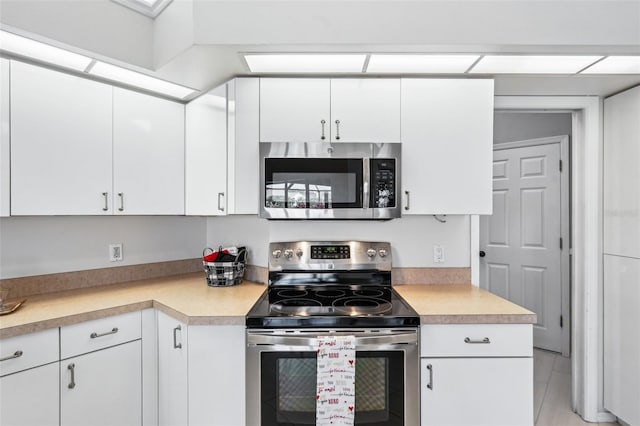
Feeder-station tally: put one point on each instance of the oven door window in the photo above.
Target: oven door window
(288, 388)
(319, 183)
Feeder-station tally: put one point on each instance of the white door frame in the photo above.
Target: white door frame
(586, 235)
(565, 193)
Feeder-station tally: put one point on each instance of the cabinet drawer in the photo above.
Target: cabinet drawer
(93, 335)
(478, 340)
(28, 351)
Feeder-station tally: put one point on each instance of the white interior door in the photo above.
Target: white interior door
(521, 240)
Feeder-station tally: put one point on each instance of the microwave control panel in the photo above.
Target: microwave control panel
(383, 182)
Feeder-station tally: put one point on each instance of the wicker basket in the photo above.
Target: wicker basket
(220, 274)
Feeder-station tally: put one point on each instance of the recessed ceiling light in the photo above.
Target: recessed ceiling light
(532, 64)
(305, 63)
(123, 75)
(43, 52)
(420, 63)
(615, 65)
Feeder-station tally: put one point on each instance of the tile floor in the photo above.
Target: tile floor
(552, 391)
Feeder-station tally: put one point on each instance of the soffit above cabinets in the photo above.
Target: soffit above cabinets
(150, 8)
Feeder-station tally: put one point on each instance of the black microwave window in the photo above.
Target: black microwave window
(302, 183)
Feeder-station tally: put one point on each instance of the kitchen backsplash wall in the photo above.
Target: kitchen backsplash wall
(46, 245)
(412, 238)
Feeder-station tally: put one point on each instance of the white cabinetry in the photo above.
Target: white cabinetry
(60, 143)
(172, 372)
(485, 369)
(148, 154)
(447, 140)
(101, 372)
(29, 379)
(5, 152)
(337, 110)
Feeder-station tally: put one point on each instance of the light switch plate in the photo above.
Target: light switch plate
(115, 252)
(438, 254)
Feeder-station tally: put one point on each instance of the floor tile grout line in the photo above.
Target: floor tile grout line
(544, 395)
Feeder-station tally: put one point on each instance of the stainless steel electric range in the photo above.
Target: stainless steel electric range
(320, 288)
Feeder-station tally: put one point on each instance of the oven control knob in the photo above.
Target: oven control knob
(299, 253)
(276, 254)
(288, 253)
(382, 253)
(371, 253)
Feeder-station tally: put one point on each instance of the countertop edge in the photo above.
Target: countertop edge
(478, 319)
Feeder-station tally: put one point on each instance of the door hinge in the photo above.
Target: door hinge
(561, 322)
(560, 165)
(560, 243)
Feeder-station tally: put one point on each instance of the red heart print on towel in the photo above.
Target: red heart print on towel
(351, 408)
(350, 362)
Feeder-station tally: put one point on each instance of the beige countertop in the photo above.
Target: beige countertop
(190, 300)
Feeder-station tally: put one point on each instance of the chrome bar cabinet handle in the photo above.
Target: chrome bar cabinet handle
(337, 130)
(471, 341)
(94, 335)
(121, 195)
(176, 345)
(406, 193)
(106, 201)
(323, 122)
(430, 384)
(16, 354)
(72, 368)
(220, 206)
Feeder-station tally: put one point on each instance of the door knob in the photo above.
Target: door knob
(482, 253)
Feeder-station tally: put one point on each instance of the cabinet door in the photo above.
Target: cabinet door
(476, 391)
(206, 154)
(60, 143)
(172, 371)
(365, 110)
(148, 154)
(447, 141)
(102, 387)
(30, 397)
(293, 109)
(217, 375)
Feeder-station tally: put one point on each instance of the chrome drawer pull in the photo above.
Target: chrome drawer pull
(407, 207)
(485, 340)
(176, 345)
(121, 195)
(430, 384)
(16, 354)
(72, 368)
(106, 201)
(114, 330)
(337, 130)
(322, 122)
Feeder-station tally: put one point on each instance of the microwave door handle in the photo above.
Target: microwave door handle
(366, 182)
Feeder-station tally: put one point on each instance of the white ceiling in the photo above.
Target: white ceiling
(198, 43)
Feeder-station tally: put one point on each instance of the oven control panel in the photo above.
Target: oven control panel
(331, 255)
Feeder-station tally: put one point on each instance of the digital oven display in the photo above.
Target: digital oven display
(330, 252)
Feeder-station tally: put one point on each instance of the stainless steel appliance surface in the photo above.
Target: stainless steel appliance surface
(320, 288)
(322, 180)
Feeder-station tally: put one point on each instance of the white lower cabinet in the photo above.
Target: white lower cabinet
(476, 375)
(172, 372)
(102, 387)
(30, 397)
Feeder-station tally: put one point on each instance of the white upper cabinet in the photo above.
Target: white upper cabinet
(206, 154)
(337, 110)
(365, 110)
(148, 154)
(5, 151)
(294, 109)
(447, 140)
(622, 174)
(60, 143)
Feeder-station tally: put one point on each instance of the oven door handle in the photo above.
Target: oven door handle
(362, 342)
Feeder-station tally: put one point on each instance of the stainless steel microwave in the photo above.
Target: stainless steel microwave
(320, 180)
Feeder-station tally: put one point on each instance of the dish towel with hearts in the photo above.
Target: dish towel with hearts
(336, 379)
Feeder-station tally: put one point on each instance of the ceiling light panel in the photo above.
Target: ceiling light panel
(532, 64)
(420, 64)
(305, 63)
(35, 50)
(615, 65)
(132, 78)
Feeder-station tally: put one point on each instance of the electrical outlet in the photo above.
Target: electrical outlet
(438, 254)
(115, 252)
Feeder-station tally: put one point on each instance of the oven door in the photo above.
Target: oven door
(281, 377)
